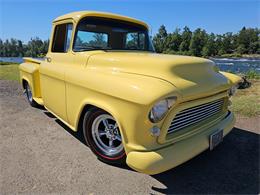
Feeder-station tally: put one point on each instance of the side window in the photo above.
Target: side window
(62, 38)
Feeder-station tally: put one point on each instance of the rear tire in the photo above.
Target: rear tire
(103, 136)
(28, 93)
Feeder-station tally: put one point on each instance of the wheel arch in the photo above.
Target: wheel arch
(27, 81)
(87, 106)
(24, 82)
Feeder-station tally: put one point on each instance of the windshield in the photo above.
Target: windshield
(100, 33)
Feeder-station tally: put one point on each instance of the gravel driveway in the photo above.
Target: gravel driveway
(40, 155)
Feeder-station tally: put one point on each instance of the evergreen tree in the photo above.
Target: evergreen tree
(210, 48)
(159, 39)
(20, 49)
(1, 48)
(198, 41)
(248, 40)
(227, 43)
(174, 40)
(186, 38)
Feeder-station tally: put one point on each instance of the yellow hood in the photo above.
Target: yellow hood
(193, 77)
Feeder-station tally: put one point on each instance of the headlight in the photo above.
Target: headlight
(232, 90)
(160, 109)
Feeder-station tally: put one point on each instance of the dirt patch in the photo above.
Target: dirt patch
(41, 155)
(251, 124)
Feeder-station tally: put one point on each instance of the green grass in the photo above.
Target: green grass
(9, 72)
(247, 101)
(7, 63)
(252, 74)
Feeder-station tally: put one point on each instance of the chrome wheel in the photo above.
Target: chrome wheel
(106, 135)
(29, 93)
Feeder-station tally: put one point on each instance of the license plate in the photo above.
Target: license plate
(215, 139)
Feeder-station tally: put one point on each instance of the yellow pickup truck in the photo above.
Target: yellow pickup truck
(102, 76)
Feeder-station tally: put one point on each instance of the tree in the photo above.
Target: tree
(1, 48)
(248, 39)
(210, 48)
(241, 49)
(7, 48)
(20, 49)
(254, 47)
(218, 43)
(186, 38)
(34, 47)
(159, 39)
(227, 43)
(174, 40)
(198, 41)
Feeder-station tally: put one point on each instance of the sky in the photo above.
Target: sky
(24, 19)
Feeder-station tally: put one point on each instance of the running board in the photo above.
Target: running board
(38, 101)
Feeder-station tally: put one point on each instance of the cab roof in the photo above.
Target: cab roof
(76, 16)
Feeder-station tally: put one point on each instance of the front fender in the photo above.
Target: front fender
(127, 97)
(232, 78)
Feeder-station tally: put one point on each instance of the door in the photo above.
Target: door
(52, 70)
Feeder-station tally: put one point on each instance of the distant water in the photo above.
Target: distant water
(237, 65)
(13, 59)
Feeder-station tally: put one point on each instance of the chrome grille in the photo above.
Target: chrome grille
(193, 115)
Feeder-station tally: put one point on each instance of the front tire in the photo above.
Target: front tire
(102, 134)
(28, 93)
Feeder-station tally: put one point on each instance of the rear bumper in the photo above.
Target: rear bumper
(160, 160)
